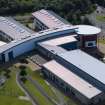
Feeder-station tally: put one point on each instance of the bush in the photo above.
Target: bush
(23, 61)
(23, 73)
(22, 67)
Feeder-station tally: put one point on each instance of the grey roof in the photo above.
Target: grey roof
(13, 29)
(86, 63)
(50, 19)
(37, 36)
(19, 24)
(58, 17)
(72, 79)
(53, 49)
(61, 40)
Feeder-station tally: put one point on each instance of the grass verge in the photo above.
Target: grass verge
(10, 92)
(100, 18)
(37, 94)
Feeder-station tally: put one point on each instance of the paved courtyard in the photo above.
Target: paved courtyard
(38, 59)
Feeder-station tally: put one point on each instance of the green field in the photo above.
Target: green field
(101, 41)
(37, 94)
(8, 100)
(48, 88)
(10, 92)
(36, 76)
(100, 18)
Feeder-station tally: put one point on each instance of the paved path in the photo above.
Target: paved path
(40, 88)
(58, 93)
(25, 90)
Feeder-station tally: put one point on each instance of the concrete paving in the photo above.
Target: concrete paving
(38, 59)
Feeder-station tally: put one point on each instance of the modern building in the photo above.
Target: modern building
(71, 69)
(45, 19)
(18, 36)
(84, 65)
(13, 30)
(88, 36)
(52, 47)
(71, 83)
(13, 49)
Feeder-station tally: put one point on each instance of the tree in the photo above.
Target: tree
(62, 7)
(86, 21)
(23, 73)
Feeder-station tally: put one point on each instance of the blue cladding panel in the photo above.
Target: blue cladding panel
(70, 46)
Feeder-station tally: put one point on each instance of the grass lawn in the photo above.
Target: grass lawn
(100, 18)
(36, 76)
(8, 100)
(11, 85)
(101, 41)
(10, 92)
(37, 94)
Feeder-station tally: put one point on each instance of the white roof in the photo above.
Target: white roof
(49, 19)
(86, 63)
(2, 43)
(87, 30)
(72, 79)
(53, 49)
(13, 29)
(60, 40)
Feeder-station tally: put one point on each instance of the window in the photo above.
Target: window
(72, 92)
(90, 44)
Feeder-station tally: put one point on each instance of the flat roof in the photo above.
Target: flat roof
(2, 43)
(53, 49)
(49, 18)
(60, 40)
(87, 30)
(21, 25)
(72, 79)
(14, 29)
(86, 63)
(37, 36)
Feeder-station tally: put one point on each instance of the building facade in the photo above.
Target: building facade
(72, 84)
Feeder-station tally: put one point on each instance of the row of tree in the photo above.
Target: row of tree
(99, 2)
(69, 9)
